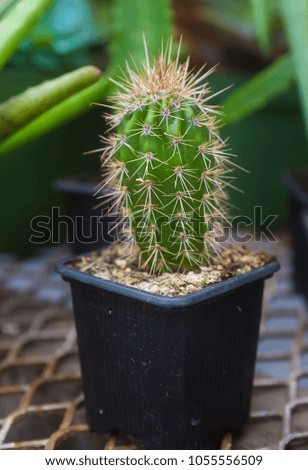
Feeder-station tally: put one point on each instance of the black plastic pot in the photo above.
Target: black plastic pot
(169, 371)
(92, 226)
(297, 185)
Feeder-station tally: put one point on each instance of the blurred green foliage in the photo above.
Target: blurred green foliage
(69, 26)
(246, 19)
(259, 20)
(63, 38)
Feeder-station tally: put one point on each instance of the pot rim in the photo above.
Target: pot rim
(201, 296)
(80, 184)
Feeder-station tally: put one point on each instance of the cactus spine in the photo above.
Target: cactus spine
(166, 163)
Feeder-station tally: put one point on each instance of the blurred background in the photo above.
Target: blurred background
(259, 50)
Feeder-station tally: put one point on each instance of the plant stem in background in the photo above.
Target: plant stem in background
(131, 20)
(261, 14)
(17, 23)
(21, 109)
(60, 114)
(295, 17)
(5, 5)
(259, 90)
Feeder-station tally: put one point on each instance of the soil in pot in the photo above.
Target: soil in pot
(113, 264)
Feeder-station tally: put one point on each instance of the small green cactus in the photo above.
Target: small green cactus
(166, 163)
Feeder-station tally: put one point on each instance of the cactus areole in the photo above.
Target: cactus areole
(167, 164)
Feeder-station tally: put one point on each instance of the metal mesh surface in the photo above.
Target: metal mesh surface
(41, 401)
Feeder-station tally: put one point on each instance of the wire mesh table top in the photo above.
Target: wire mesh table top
(41, 400)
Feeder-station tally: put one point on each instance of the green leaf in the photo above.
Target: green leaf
(57, 116)
(259, 90)
(295, 17)
(21, 109)
(5, 5)
(232, 17)
(262, 19)
(133, 19)
(17, 23)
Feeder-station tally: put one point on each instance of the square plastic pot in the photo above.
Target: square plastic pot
(91, 228)
(171, 371)
(297, 185)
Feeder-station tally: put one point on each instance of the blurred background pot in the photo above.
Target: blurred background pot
(88, 208)
(297, 186)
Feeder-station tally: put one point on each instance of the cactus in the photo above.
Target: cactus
(167, 164)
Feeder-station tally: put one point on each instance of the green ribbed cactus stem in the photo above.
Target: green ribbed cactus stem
(167, 165)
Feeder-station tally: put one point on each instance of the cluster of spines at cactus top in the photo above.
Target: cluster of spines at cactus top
(167, 164)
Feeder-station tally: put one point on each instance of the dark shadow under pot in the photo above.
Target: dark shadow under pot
(171, 371)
